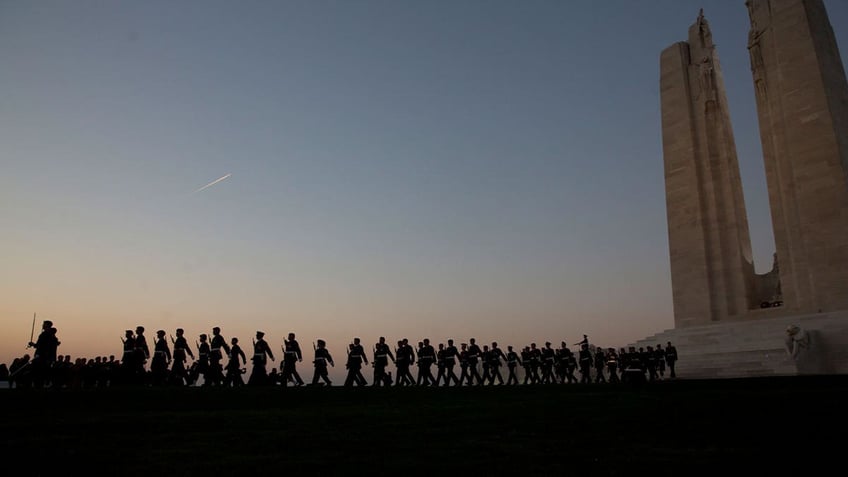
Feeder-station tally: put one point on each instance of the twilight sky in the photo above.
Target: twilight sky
(439, 169)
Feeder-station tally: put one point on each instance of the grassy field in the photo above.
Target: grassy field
(681, 427)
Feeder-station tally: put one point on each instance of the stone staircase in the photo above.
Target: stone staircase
(756, 348)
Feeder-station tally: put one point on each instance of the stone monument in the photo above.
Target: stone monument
(729, 320)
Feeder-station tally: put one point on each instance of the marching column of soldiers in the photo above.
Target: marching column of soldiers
(169, 367)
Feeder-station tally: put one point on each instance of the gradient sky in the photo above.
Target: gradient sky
(439, 169)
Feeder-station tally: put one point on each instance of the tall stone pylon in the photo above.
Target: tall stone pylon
(802, 103)
(712, 272)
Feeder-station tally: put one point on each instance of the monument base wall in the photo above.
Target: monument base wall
(757, 348)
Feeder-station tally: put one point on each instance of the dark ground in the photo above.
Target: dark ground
(779, 426)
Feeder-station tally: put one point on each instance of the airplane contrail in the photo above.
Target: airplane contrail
(212, 183)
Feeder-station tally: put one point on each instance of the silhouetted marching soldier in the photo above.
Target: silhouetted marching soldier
(612, 365)
(585, 364)
(216, 369)
(535, 362)
(128, 366)
(355, 358)
(234, 369)
(382, 354)
(46, 349)
(440, 365)
(464, 376)
(526, 363)
(600, 365)
(548, 358)
(451, 355)
(202, 368)
(572, 366)
(512, 360)
(485, 360)
(635, 371)
(426, 359)
(179, 374)
(322, 357)
(660, 354)
(291, 357)
(670, 358)
(161, 359)
(495, 363)
(402, 362)
(261, 353)
(141, 355)
(651, 363)
(474, 355)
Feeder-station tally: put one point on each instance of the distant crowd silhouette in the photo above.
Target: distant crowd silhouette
(540, 365)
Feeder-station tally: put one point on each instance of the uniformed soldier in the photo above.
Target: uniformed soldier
(179, 374)
(512, 360)
(474, 355)
(586, 360)
(202, 368)
(612, 365)
(635, 371)
(261, 353)
(548, 358)
(495, 363)
(660, 352)
(382, 354)
(127, 368)
(322, 357)
(572, 366)
(291, 357)
(141, 355)
(464, 359)
(670, 358)
(600, 364)
(355, 358)
(404, 360)
(46, 350)
(451, 356)
(526, 362)
(426, 359)
(651, 363)
(535, 362)
(161, 359)
(486, 362)
(440, 365)
(218, 346)
(234, 369)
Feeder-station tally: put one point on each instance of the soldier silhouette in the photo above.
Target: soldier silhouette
(261, 353)
(46, 349)
(548, 357)
(161, 359)
(234, 369)
(405, 359)
(612, 365)
(512, 361)
(426, 359)
(450, 357)
(495, 356)
(128, 357)
(600, 364)
(322, 357)
(585, 364)
(179, 374)
(216, 345)
(355, 358)
(670, 358)
(202, 368)
(382, 354)
(291, 357)
(141, 355)
(474, 355)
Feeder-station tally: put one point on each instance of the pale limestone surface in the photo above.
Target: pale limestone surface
(802, 101)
